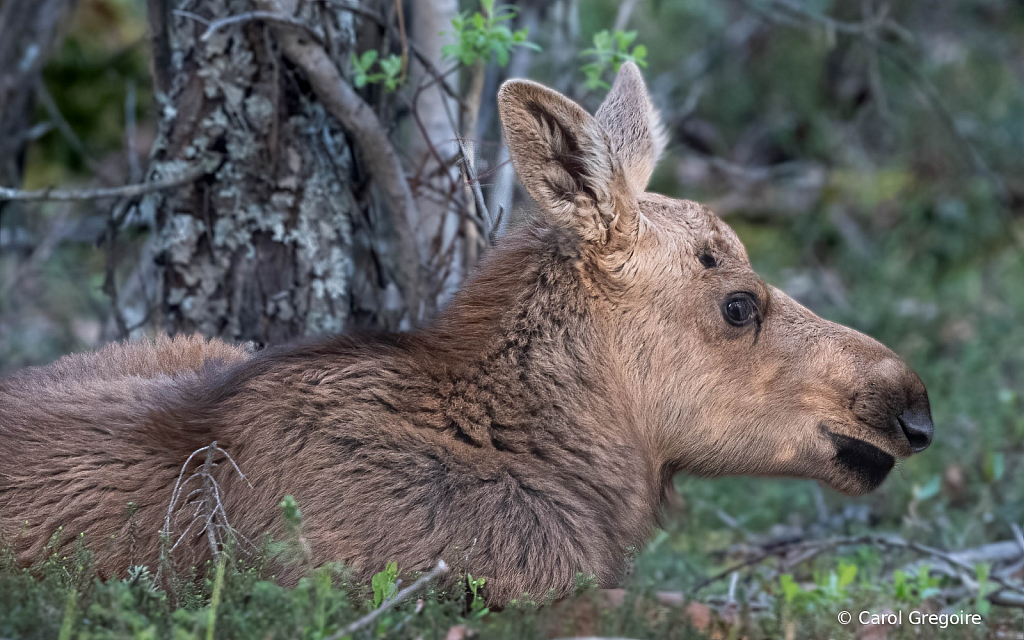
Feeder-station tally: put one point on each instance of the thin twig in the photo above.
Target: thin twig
(439, 77)
(265, 16)
(211, 503)
(127, 191)
(210, 509)
(469, 172)
(404, 39)
(66, 130)
(626, 8)
(131, 131)
(388, 604)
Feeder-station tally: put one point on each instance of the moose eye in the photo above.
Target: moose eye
(740, 309)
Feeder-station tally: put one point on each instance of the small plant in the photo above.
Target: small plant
(385, 583)
(390, 74)
(483, 34)
(830, 588)
(292, 514)
(218, 586)
(994, 466)
(611, 49)
(477, 608)
(834, 585)
(293, 548)
(981, 603)
(914, 588)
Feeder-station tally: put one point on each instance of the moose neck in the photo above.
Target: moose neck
(523, 333)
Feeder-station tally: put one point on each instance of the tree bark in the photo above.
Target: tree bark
(286, 238)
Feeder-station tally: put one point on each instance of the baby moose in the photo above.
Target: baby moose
(528, 436)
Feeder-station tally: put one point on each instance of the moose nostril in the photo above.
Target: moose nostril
(917, 426)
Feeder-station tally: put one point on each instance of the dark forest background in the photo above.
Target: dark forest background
(260, 170)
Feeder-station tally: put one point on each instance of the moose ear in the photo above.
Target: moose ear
(632, 123)
(566, 162)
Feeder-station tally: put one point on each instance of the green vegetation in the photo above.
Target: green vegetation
(850, 189)
(390, 74)
(483, 34)
(610, 51)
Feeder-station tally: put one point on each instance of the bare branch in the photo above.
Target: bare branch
(210, 507)
(28, 31)
(127, 191)
(266, 16)
(625, 12)
(131, 131)
(473, 182)
(404, 40)
(64, 127)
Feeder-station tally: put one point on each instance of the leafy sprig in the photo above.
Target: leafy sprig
(483, 34)
(390, 74)
(611, 49)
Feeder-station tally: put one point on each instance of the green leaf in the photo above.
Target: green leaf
(790, 589)
(995, 466)
(391, 65)
(292, 513)
(502, 54)
(929, 490)
(625, 38)
(367, 59)
(899, 580)
(383, 583)
(981, 604)
(847, 572)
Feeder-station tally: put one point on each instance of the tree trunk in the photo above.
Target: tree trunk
(434, 148)
(285, 238)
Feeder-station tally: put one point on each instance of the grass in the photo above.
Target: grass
(235, 602)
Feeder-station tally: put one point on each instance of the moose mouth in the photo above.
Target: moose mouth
(867, 463)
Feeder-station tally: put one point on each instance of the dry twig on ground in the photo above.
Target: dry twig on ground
(391, 602)
(964, 561)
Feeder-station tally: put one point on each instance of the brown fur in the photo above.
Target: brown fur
(527, 437)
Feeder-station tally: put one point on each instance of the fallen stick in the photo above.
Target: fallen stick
(388, 604)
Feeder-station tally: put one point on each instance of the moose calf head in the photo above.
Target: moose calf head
(732, 376)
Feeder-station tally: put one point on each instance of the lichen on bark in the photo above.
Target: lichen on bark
(283, 239)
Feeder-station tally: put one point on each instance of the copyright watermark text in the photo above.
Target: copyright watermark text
(941, 620)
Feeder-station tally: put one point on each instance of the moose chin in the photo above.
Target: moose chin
(527, 436)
